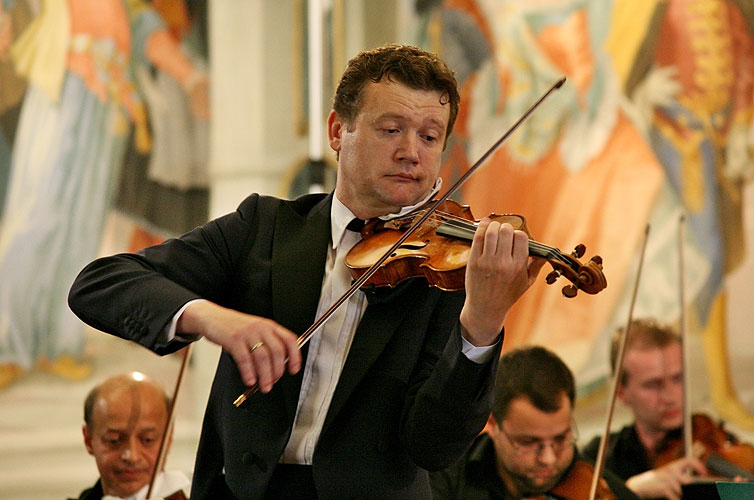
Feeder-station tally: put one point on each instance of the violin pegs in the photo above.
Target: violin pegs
(570, 291)
(579, 251)
(597, 260)
(552, 277)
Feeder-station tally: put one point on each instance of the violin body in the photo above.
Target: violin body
(439, 249)
(577, 483)
(721, 452)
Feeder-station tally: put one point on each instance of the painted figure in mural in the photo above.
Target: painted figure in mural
(78, 57)
(581, 159)
(164, 192)
(529, 447)
(689, 67)
(397, 382)
(125, 419)
(12, 86)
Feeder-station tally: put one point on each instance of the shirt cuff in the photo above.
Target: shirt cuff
(169, 334)
(478, 354)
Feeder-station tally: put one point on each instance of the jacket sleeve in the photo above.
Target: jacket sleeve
(449, 398)
(135, 296)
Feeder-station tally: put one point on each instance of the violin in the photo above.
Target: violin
(575, 484)
(721, 452)
(439, 249)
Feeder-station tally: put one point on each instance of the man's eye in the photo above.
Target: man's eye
(558, 440)
(430, 138)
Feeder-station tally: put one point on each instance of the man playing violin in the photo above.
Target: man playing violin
(528, 449)
(124, 424)
(396, 382)
(651, 386)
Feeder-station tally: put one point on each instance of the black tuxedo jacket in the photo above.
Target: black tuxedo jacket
(406, 402)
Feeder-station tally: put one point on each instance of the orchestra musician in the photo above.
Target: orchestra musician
(528, 449)
(125, 419)
(399, 383)
(651, 386)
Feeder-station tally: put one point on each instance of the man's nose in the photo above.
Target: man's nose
(130, 451)
(546, 454)
(408, 149)
(671, 392)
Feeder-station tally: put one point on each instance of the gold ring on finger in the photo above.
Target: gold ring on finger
(256, 346)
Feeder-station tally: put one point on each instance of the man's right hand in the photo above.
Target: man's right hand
(666, 481)
(259, 346)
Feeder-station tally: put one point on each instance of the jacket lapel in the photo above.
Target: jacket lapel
(380, 322)
(299, 252)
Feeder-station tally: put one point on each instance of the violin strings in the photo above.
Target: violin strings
(439, 218)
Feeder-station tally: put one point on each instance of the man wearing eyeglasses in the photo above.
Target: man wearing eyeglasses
(528, 448)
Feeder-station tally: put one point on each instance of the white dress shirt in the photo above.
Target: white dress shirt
(329, 347)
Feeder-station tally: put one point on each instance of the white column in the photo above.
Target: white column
(253, 141)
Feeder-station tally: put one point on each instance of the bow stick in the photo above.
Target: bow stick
(600, 462)
(162, 453)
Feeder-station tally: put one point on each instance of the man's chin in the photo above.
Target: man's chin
(672, 422)
(540, 485)
(127, 486)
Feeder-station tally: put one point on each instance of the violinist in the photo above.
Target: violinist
(528, 449)
(652, 388)
(397, 382)
(124, 423)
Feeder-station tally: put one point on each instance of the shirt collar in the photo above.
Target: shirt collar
(340, 216)
(411, 208)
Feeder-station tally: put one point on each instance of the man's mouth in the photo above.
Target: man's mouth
(542, 475)
(131, 474)
(668, 414)
(403, 177)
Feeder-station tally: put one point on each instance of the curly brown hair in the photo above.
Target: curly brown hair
(411, 66)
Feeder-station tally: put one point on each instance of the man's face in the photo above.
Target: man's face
(390, 156)
(124, 438)
(654, 387)
(533, 448)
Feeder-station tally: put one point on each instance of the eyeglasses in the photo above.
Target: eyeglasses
(527, 446)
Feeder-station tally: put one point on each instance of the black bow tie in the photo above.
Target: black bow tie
(356, 225)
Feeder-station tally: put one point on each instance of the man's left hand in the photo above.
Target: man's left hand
(498, 272)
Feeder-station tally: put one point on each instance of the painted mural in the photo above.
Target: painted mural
(655, 120)
(98, 94)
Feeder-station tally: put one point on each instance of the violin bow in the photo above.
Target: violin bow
(600, 462)
(162, 453)
(306, 336)
(687, 430)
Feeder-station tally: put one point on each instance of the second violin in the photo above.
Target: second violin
(439, 251)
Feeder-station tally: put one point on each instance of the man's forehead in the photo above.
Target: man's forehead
(128, 409)
(653, 361)
(402, 96)
(526, 416)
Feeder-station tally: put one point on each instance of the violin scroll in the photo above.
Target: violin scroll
(587, 277)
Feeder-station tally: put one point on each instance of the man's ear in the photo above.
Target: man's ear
(491, 427)
(335, 128)
(87, 439)
(620, 393)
